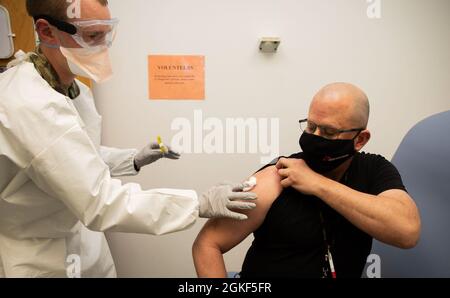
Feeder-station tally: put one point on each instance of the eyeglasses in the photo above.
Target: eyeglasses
(326, 131)
(87, 33)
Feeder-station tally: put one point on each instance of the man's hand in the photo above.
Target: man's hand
(297, 174)
(151, 153)
(219, 201)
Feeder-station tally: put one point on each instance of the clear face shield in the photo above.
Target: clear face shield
(94, 33)
(94, 37)
(87, 33)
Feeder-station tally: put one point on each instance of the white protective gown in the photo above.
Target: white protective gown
(57, 196)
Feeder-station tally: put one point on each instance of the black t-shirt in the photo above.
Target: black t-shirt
(290, 241)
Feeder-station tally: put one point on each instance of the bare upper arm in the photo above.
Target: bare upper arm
(403, 198)
(227, 233)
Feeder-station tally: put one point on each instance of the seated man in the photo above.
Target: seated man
(319, 209)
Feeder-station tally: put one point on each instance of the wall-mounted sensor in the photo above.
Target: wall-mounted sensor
(269, 44)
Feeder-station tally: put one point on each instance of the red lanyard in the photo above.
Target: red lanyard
(328, 255)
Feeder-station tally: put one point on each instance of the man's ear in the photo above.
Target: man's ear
(362, 139)
(45, 32)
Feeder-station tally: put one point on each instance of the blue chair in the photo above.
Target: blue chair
(423, 160)
(233, 274)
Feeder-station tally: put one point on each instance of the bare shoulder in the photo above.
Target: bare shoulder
(227, 233)
(268, 186)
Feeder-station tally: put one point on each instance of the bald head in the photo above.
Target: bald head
(342, 104)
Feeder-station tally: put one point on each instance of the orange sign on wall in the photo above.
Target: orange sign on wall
(176, 77)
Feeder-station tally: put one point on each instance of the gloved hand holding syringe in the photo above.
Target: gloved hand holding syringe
(153, 152)
(219, 201)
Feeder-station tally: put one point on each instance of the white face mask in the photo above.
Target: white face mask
(93, 63)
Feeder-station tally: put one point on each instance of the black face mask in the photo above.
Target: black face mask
(324, 155)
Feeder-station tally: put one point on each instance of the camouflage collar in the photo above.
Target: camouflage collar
(48, 73)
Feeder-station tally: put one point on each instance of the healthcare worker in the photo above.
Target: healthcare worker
(57, 194)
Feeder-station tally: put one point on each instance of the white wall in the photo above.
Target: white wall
(401, 60)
